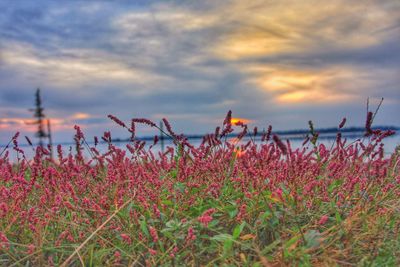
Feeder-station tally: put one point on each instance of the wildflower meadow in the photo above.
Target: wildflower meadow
(222, 203)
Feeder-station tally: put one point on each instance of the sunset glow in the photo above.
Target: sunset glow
(234, 121)
(192, 61)
(80, 116)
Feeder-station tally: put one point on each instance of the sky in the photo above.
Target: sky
(270, 62)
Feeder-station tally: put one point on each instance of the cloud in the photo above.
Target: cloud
(329, 85)
(308, 59)
(272, 62)
(80, 116)
(86, 67)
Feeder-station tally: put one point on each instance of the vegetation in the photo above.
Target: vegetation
(222, 203)
(38, 114)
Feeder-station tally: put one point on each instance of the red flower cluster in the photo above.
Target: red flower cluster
(206, 217)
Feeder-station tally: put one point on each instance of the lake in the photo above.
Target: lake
(390, 144)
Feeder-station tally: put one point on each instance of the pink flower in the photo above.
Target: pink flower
(206, 217)
(153, 233)
(144, 121)
(79, 134)
(205, 220)
(156, 211)
(31, 248)
(228, 118)
(342, 123)
(241, 213)
(126, 238)
(190, 236)
(280, 144)
(117, 257)
(169, 128)
(368, 123)
(152, 251)
(278, 194)
(117, 121)
(3, 240)
(323, 220)
(3, 209)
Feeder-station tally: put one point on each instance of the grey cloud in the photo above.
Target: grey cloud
(180, 73)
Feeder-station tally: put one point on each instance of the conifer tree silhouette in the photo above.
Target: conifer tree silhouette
(38, 114)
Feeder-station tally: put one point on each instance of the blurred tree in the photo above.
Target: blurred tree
(38, 113)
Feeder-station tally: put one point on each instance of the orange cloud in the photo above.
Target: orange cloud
(28, 124)
(16, 121)
(246, 45)
(80, 116)
(17, 124)
(293, 86)
(314, 95)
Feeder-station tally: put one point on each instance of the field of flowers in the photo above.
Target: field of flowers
(221, 203)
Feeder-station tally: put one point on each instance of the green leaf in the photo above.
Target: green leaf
(161, 246)
(231, 210)
(291, 241)
(173, 224)
(222, 237)
(238, 230)
(233, 213)
(338, 217)
(333, 185)
(270, 247)
(265, 215)
(168, 234)
(143, 227)
(168, 202)
(213, 223)
(179, 186)
(313, 238)
(173, 173)
(227, 246)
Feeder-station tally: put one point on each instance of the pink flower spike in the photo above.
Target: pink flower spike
(323, 220)
(206, 217)
(117, 257)
(116, 120)
(126, 238)
(153, 233)
(190, 236)
(341, 125)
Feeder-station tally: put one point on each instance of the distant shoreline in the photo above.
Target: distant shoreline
(297, 134)
(325, 133)
(350, 131)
